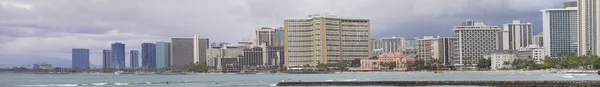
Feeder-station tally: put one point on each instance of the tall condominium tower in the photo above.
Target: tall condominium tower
(148, 55)
(538, 39)
(589, 30)
(516, 35)
(278, 41)
(570, 4)
(325, 38)
(163, 54)
(134, 60)
(80, 58)
(391, 44)
(117, 55)
(559, 31)
(428, 48)
(106, 58)
(448, 49)
(265, 35)
(475, 40)
(188, 50)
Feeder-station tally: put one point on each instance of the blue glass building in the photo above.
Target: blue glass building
(163, 54)
(80, 58)
(117, 55)
(148, 55)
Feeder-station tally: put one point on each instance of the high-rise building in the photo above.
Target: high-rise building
(391, 44)
(447, 51)
(253, 56)
(589, 32)
(80, 58)
(106, 58)
(278, 41)
(538, 39)
(409, 47)
(134, 60)
(275, 55)
(188, 50)
(474, 41)
(560, 31)
(265, 35)
(214, 56)
(570, 4)
(117, 55)
(376, 47)
(428, 48)
(148, 55)
(516, 35)
(163, 54)
(325, 38)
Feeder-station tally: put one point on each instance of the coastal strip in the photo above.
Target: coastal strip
(593, 83)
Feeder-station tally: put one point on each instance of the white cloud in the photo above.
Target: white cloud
(16, 5)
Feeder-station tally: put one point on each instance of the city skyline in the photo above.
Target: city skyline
(97, 37)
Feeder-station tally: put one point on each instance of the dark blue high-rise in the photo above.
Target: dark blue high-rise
(148, 55)
(80, 58)
(117, 55)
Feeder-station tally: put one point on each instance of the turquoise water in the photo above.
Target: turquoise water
(231, 80)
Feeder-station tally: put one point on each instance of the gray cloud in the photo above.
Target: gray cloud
(52, 28)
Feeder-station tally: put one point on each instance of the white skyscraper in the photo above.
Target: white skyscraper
(516, 35)
(588, 27)
(475, 40)
(390, 44)
(560, 31)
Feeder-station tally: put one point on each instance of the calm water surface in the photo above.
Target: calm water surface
(230, 80)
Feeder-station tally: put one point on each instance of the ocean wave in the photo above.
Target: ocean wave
(111, 83)
(579, 74)
(121, 83)
(67, 85)
(35, 85)
(349, 80)
(567, 76)
(52, 85)
(99, 83)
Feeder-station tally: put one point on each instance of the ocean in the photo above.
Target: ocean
(262, 80)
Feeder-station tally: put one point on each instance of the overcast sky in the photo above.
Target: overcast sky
(46, 30)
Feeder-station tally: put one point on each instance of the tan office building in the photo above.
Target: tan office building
(325, 38)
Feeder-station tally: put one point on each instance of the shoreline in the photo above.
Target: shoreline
(349, 72)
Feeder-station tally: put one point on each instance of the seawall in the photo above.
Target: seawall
(528, 83)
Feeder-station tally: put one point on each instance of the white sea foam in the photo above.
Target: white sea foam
(99, 83)
(273, 85)
(349, 80)
(329, 80)
(69, 85)
(148, 82)
(35, 85)
(121, 83)
(567, 76)
(579, 74)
